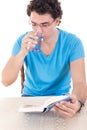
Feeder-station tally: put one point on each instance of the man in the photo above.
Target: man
(60, 57)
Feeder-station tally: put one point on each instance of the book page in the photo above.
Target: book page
(31, 108)
(55, 99)
(46, 106)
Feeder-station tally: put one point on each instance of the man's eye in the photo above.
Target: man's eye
(44, 25)
(34, 24)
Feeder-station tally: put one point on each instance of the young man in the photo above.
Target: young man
(60, 58)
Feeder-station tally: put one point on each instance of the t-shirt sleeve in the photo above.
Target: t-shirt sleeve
(17, 45)
(16, 48)
(77, 50)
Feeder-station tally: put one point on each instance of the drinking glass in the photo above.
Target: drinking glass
(37, 48)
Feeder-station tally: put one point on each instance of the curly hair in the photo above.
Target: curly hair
(52, 7)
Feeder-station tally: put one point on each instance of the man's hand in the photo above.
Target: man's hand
(29, 42)
(68, 109)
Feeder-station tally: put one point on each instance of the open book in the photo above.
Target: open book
(47, 105)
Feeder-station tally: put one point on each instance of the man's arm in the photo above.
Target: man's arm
(11, 70)
(79, 92)
(14, 64)
(79, 79)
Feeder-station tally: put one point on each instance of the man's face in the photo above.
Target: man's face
(44, 24)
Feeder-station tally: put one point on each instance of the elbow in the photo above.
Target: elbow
(5, 83)
(7, 79)
(4, 79)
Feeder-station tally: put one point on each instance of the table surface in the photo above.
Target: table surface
(12, 119)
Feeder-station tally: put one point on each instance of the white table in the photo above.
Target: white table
(12, 119)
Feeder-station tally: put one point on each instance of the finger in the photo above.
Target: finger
(33, 41)
(30, 35)
(66, 107)
(67, 104)
(29, 46)
(63, 113)
(28, 43)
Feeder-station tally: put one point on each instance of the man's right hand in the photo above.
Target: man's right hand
(29, 42)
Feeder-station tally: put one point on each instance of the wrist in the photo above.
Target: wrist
(81, 105)
(23, 53)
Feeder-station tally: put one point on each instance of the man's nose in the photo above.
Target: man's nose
(39, 29)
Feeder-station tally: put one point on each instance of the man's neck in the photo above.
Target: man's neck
(49, 44)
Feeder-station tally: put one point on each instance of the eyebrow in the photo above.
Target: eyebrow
(40, 23)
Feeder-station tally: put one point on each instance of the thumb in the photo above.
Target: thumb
(73, 98)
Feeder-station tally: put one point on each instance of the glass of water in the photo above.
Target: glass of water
(37, 48)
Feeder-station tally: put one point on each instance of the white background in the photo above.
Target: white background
(14, 22)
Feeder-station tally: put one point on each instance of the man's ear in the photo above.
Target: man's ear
(57, 21)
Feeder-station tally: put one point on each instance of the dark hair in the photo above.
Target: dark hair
(52, 7)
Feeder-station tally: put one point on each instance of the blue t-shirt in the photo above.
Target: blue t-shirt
(50, 75)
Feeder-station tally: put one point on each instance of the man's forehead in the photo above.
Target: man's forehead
(40, 17)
